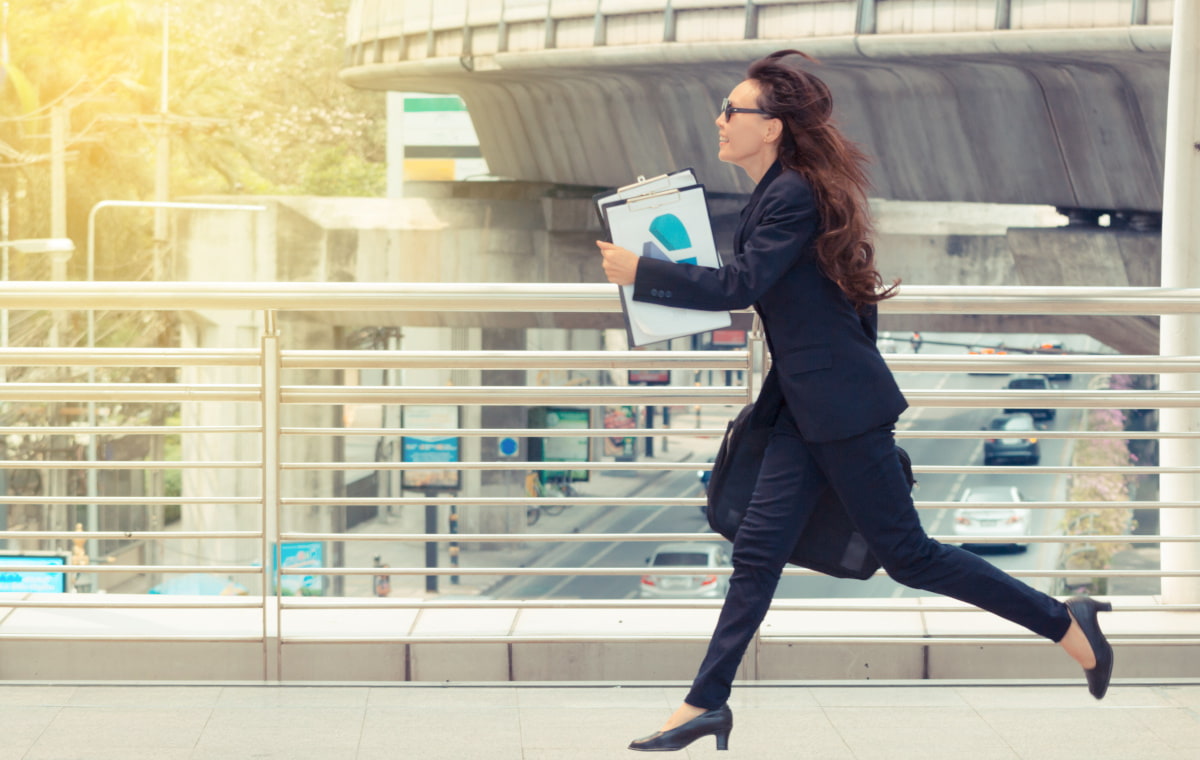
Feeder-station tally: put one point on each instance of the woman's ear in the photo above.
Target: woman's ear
(774, 128)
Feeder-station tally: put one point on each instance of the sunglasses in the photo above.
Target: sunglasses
(728, 109)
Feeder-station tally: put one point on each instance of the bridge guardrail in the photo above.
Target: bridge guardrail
(274, 380)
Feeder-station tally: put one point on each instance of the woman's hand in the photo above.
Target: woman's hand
(620, 264)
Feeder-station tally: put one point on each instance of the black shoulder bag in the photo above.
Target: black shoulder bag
(830, 543)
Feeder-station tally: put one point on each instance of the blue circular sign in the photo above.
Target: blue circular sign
(509, 447)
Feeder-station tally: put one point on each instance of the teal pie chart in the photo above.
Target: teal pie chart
(669, 231)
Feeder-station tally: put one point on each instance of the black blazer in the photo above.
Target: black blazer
(834, 381)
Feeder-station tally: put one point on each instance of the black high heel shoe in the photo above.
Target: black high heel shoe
(718, 722)
(1084, 609)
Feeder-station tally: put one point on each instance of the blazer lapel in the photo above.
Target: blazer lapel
(748, 219)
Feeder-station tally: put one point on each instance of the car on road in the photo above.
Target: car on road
(1031, 383)
(1015, 440)
(660, 583)
(1055, 348)
(990, 522)
(977, 351)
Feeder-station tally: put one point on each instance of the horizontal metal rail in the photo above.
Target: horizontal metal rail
(128, 392)
(224, 569)
(716, 360)
(156, 602)
(697, 466)
(124, 429)
(698, 537)
(512, 395)
(513, 432)
(167, 535)
(681, 570)
(675, 432)
(133, 637)
(129, 357)
(667, 501)
(506, 465)
(69, 464)
(577, 395)
(133, 500)
(538, 298)
(900, 604)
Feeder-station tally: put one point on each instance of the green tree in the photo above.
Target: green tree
(255, 102)
(255, 106)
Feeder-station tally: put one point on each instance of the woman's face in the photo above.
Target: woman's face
(748, 140)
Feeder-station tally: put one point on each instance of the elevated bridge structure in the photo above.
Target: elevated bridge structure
(1057, 102)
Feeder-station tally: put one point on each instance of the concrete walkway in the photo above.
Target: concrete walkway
(823, 721)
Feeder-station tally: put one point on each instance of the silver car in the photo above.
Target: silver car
(992, 521)
(659, 583)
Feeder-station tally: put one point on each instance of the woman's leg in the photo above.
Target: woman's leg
(783, 499)
(865, 472)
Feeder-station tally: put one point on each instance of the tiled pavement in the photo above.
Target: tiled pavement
(823, 721)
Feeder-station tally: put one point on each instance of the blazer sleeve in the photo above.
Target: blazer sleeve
(782, 235)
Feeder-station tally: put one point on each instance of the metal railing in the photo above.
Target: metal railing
(391, 30)
(283, 382)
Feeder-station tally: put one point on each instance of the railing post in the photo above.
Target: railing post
(599, 32)
(1139, 13)
(668, 23)
(1181, 333)
(430, 35)
(1004, 14)
(502, 28)
(551, 29)
(865, 21)
(272, 633)
(751, 30)
(468, 49)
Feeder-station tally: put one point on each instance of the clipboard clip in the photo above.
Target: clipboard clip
(641, 180)
(653, 200)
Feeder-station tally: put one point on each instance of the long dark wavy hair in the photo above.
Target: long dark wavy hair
(812, 145)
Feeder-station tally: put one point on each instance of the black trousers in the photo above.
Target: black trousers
(865, 472)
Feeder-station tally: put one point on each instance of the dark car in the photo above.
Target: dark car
(1016, 441)
(1054, 348)
(1031, 383)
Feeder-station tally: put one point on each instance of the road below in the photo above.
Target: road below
(946, 488)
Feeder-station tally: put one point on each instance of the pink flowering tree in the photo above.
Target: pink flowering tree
(1099, 486)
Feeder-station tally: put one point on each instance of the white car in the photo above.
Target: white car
(661, 584)
(992, 522)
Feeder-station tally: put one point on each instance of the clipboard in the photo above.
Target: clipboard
(672, 225)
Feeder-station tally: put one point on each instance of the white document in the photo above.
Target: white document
(672, 225)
